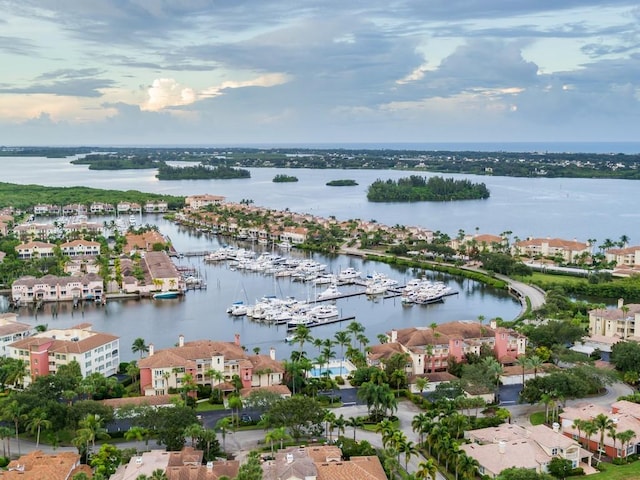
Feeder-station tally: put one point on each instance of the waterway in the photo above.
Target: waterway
(567, 208)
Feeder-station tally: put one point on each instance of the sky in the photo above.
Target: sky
(237, 72)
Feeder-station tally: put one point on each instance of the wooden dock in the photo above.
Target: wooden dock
(320, 323)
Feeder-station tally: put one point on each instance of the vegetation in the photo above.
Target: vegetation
(342, 183)
(24, 197)
(281, 178)
(113, 162)
(416, 188)
(220, 172)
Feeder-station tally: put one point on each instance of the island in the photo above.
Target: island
(281, 178)
(418, 189)
(342, 183)
(200, 172)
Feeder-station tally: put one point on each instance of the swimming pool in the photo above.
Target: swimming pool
(333, 371)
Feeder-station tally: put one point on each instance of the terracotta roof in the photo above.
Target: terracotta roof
(191, 351)
(616, 313)
(37, 465)
(30, 281)
(357, 468)
(279, 389)
(421, 336)
(555, 243)
(384, 350)
(87, 342)
(264, 362)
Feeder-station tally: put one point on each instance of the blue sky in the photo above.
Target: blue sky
(118, 72)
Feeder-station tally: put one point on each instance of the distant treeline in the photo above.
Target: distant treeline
(109, 162)
(281, 178)
(199, 172)
(342, 183)
(24, 197)
(416, 188)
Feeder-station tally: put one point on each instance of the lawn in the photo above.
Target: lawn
(207, 407)
(630, 471)
(537, 418)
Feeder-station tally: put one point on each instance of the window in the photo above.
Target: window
(554, 451)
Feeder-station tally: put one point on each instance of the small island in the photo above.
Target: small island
(281, 178)
(416, 189)
(201, 172)
(342, 183)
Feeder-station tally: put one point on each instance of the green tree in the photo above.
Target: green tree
(251, 469)
(602, 423)
(106, 460)
(37, 421)
(560, 467)
(224, 426)
(13, 412)
(140, 346)
(168, 424)
(298, 414)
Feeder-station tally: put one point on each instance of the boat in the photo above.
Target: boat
(331, 292)
(348, 275)
(323, 312)
(376, 288)
(132, 220)
(285, 245)
(165, 295)
(237, 309)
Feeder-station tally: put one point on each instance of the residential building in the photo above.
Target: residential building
(83, 227)
(82, 265)
(5, 222)
(568, 250)
(484, 242)
(208, 363)
(162, 272)
(37, 465)
(624, 416)
(294, 235)
(321, 462)
(628, 256)
(11, 331)
(99, 208)
(74, 209)
(616, 323)
(196, 202)
(513, 446)
(429, 348)
(157, 206)
(27, 251)
(143, 242)
(34, 230)
(44, 352)
(46, 209)
(51, 288)
(77, 248)
(185, 464)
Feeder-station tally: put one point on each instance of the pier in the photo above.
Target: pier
(319, 323)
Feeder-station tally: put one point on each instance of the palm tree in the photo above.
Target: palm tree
(355, 423)
(535, 362)
(138, 434)
(224, 425)
(467, 467)
(524, 363)
(589, 429)
(277, 435)
(139, 346)
(158, 474)
(342, 339)
(602, 424)
(13, 411)
(625, 437)
(421, 384)
(91, 428)
(5, 435)
(235, 402)
(193, 431)
(427, 469)
(410, 450)
(38, 421)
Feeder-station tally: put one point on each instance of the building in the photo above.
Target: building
(196, 202)
(78, 248)
(616, 323)
(37, 465)
(568, 250)
(143, 242)
(44, 352)
(157, 206)
(429, 348)
(11, 331)
(51, 288)
(321, 462)
(29, 250)
(628, 256)
(507, 445)
(185, 464)
(162, 272)
(209, 363)
(624, 416)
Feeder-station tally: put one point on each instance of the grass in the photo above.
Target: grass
(208, 407)
(537, 418)
(371, 427)
(631, 471)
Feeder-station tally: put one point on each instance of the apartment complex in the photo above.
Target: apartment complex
(11, 331)
(51, 288)
(208, 363)
(44, 352)
(569, 250)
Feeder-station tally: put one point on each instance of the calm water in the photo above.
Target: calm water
(202, 314)
(568, 208)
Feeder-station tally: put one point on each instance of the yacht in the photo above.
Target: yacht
(331, 292)
(348, 275)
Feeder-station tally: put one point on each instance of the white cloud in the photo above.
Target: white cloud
(166, 92)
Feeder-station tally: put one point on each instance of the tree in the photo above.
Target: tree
(421, 384)
(139, 346)
(277, 435)
(626, 356)
(37, 421)
(91, 428)
(251, 469)
(168, 424)
(13, 412)
(427, 469)
(560, 467)
(355, 423)
(522, 474)
(625, 437)
(106, 460)
(224, 425)
(602, 424)
(298, 414)
(235, 403)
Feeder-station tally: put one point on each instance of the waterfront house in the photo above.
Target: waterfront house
(144, 242)
(156, 206)
(51, 288)
(568, 250)
(81, 228)
(624, 416)
(208, 362)
(33, 230)
(77, 248)
(46, 209)
(74, 209)
(5, 222)
(196, 202)
(99, 208)
(44, 352)
(429, 349)
(513, 446)
(29, 250)
(294, 235)
(11, 330)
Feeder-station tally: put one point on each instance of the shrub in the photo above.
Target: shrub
(339, 380)
(4, 461)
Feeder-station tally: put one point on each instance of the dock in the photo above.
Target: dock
(323, 322)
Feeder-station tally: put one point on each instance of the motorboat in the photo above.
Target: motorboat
(331, 292)
(348, 275)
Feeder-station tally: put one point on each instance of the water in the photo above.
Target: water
(567, 208)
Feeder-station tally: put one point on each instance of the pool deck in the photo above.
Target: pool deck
(345, 364)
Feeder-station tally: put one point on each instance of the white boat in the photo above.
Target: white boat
(330, 292)
(375, 288)
(237, 309)
(285, 245)
(132, 220)
(323, 312)
(348, 275)
(325, 279)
